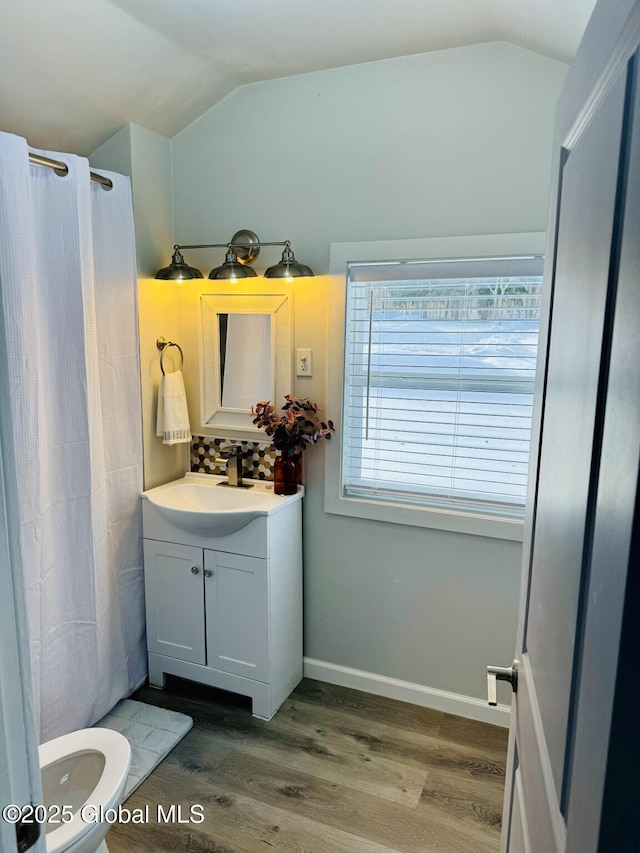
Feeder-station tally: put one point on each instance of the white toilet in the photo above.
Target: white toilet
(89, 769)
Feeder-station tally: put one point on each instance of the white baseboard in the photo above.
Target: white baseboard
(406, 691)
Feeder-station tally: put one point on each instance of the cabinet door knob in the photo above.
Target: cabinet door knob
(194, 570)
(208, 573)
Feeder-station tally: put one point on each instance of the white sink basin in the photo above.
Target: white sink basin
(201, 504)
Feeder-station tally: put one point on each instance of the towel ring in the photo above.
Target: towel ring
(163, 344)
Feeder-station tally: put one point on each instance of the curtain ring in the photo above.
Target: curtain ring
(163, 345)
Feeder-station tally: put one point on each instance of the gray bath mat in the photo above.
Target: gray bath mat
(152, 733)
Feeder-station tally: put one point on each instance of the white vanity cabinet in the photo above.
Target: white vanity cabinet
(227, 611)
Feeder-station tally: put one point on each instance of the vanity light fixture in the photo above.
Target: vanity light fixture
(242, 250)
(232, 269)
(288, 267)
(178, 270)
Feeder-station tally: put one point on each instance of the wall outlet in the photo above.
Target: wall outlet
(303, 362)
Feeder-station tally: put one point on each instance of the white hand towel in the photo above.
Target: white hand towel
(173, 416)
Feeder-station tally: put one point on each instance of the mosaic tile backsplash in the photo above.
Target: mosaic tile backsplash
(257, 463)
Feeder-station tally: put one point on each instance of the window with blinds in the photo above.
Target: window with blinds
(440, 358)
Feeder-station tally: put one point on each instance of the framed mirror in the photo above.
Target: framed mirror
(246, 357)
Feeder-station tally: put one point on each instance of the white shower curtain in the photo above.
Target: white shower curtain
(68, 279)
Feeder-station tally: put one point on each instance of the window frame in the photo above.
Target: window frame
(444, 518)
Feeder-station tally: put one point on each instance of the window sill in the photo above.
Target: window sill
(437, 518)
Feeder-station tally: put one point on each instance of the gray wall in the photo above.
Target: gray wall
(146, 157)
(450, 143)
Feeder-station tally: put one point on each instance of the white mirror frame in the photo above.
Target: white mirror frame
(215, 420)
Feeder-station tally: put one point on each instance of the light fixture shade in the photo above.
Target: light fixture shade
(232, 269)
(178, 270)
(288, 267)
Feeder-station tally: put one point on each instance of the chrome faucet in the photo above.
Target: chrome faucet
(233, 463)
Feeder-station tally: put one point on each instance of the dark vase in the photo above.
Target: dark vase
(286, 474)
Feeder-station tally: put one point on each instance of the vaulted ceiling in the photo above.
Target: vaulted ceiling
(73, 71)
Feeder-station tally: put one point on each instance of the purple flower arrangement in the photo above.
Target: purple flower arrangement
(294, 427)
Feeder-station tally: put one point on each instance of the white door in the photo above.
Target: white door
(580, 545)
(237, 596)
(174, 595)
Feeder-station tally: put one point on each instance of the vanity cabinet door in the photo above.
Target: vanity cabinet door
(237, 608)
(173, 576)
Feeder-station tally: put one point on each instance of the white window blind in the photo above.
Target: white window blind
(439, 368)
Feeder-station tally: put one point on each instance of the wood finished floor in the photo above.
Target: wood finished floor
(335, 771)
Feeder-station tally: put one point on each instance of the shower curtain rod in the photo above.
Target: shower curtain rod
(62, 169)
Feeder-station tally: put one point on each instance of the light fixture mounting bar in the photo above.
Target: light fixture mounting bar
(201, 246)
(260, 243)
(230, 243)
